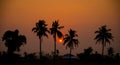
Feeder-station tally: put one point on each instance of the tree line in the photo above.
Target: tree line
(13, 40)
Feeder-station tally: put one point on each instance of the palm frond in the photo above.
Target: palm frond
(66, 39)
(60, 27)
(76, 41)
(41, 29)
(70, 40)
(103, 34)
(34, 29)
(55, 30)
(59, 34)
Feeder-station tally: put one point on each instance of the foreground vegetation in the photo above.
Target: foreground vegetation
(85, 58)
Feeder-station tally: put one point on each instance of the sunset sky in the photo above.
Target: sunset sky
(84, 16)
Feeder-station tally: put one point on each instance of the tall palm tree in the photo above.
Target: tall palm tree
(70, 40)
(13, 41)
(41, 30)
(103, 36)
(55, 31)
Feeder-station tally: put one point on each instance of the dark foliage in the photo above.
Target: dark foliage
(13, 40)
(103, 36)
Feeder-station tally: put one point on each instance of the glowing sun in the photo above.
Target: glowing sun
(60, 40)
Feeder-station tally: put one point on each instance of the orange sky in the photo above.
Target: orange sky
(84, 16)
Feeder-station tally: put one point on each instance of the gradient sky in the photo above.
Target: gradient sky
(84, 16)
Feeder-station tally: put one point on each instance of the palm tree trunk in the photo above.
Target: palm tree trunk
(55, 45)
(40, 47)
(102, 50)
(70, 51)
(102, 47)
(70, 56)
(54, 59)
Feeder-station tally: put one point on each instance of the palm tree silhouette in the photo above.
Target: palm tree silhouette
(104, 36)
(70, 40)
(55, 31)
(13, 41)
(41, 30)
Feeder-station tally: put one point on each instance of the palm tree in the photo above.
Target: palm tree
(13, 41)
(55, 31)
(70, 40)
(41, 30)
(103, 36)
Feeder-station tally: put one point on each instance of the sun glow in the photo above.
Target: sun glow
(60, 40)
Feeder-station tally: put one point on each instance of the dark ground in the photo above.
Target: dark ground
(82, 60)
(59, 62)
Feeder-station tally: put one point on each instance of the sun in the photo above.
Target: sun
(60, 40)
